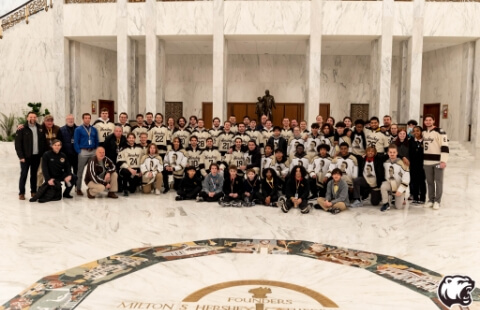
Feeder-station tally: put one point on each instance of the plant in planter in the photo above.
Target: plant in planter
(7, 124)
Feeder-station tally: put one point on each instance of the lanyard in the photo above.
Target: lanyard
(88, 131)
(298, 184)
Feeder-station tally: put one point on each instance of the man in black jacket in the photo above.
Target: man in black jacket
(30, 144)
(191, 185)
(56, 169)
(297, 189)
(277, 140)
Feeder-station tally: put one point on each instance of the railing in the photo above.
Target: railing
(21, 13)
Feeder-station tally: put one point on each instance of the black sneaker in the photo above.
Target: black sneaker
(334, 210)
(307, 209)
(385, 207)
(282, 205)
(68, 196)
(178, 198)
(125, 193)
(199, 199)
(317, 206)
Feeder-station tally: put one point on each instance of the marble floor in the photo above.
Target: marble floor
(163, 254)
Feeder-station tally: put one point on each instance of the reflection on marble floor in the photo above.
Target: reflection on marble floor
(41, 240)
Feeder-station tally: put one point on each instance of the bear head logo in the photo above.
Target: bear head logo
(456, 290)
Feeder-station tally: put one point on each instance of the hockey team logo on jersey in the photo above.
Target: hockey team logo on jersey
(456, 290)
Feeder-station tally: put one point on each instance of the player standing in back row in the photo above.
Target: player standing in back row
(435, 156)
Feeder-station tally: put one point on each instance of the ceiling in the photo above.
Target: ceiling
(260, 45)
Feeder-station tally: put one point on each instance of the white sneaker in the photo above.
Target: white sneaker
(157, 192)
(436, 206)
(428, 204)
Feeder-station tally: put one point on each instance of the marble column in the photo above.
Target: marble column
(459, 116)
(220, 54)
(402, 87)
(61, 66)
(134, 79)
(411, 109)
(313, 61)
(476, 98)
(155, 63)
(124, 65)
(381, 64)
(75, 94)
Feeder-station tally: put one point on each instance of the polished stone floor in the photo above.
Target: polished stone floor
(40, 240)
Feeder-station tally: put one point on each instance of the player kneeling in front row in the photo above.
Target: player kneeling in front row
(129, 162)
(212, 186)
(56, 169)
(151, 168)
(101, 175)
(336, 197)
(190, 186)
(397, 177)
(297, 190)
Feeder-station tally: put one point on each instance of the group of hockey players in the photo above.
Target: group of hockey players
(327, 165)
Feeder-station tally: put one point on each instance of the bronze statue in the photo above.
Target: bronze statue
(268, 104)
(260, 108)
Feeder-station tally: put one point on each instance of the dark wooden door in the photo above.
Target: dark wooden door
(110, 105)
(324, 110)
(434, 109)
(207, 113)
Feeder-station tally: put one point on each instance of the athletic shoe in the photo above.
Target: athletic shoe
(178, 198)
(428, 204)
(385, 207)
(356, 204)
(410, 197)
(436, 206)
(166, 190)
(199, 199)
(420, 202)
(33, 199)
(157, 192)
(68, 196)
(334, 210)
(236, 204)
(125, 193)
(317, 206)
(282, 205)
(307, 209)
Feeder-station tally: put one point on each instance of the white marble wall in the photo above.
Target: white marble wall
(27, 65)
(95, 19)
(344, 80)
(189, 80)
(352, 18)
(249, 75)
(267, 17)
(442, 83)
(98, 77)
(180, 18)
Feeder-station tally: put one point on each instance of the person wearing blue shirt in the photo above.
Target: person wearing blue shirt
(85, 143)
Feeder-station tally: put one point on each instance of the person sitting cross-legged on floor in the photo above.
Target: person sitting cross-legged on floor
(190, 186)
(232, 188)
(297, 190)
(212, 185)
(336, 196)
